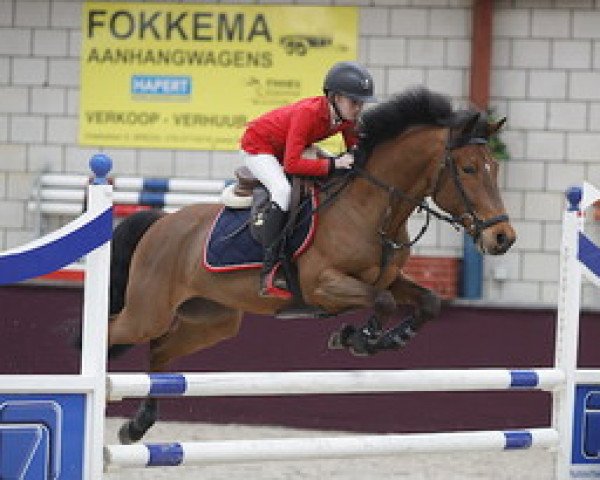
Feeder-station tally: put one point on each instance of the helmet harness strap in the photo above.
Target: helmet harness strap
(336, 109)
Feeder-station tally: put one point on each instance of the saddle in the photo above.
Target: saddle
(240, 193)
(248, 193)
(246, 182)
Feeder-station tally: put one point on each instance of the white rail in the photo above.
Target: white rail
(245, 451)
(129, 385)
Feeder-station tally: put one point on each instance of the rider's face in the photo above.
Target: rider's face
(349, 108)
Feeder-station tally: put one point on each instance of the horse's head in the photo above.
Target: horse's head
(467, 184)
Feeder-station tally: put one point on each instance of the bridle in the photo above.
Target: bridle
(476, 225)
(471, 222)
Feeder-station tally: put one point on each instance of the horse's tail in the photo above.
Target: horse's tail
(126, 237)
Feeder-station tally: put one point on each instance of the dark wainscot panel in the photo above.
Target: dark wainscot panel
(37, 325)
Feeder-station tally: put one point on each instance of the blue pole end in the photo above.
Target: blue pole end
(574, 195)
(100, 164)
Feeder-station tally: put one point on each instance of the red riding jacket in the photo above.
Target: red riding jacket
(286, 131)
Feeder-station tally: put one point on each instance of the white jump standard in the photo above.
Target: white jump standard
(52, 404)
(574, 434)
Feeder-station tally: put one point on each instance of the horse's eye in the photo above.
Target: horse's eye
(469, 169)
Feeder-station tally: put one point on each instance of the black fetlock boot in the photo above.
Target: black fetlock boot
(398, 337)
(271, 237)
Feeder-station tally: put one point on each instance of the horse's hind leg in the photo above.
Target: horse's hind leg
(191, 332)
(147, 314)
(133, 430)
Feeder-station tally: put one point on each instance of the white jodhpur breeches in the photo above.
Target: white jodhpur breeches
(268, 170)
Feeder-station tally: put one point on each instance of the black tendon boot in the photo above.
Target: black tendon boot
(271, 235)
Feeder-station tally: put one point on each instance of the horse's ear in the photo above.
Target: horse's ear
(469, 125)
(495, 126)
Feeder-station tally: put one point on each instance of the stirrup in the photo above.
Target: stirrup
(268, 288)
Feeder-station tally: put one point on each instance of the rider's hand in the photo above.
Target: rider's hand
(345, 161)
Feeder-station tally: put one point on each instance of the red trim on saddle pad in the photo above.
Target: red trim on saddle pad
(248, 266)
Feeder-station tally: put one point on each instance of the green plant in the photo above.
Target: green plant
(497, 146)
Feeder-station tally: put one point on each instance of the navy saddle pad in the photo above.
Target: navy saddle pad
(230, 246)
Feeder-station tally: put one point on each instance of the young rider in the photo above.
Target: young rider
(273, 143)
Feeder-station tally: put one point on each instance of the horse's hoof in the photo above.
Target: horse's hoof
(335, 341)
(125, 434)
(360, 352)
(361, 346)
(340, 339)
(124, 438)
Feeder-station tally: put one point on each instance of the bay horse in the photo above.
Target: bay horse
(412, 146)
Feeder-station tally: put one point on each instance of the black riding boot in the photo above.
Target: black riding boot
(271, 237)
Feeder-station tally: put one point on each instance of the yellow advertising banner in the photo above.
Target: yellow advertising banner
(190, 76)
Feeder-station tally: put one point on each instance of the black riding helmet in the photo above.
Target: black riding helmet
(351, 80)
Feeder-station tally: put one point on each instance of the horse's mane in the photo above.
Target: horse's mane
(416, 106)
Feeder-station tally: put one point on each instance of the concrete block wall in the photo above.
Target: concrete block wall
(545, 78)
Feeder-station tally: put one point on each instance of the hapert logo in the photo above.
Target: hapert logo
(161, 85)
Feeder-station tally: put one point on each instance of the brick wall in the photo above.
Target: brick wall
(440, 274)
(545, 78)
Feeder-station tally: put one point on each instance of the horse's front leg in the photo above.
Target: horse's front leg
(336, 291)
(426, 305)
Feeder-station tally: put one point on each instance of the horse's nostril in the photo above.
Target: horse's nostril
(502, 240)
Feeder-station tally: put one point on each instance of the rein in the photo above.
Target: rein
(397, 195)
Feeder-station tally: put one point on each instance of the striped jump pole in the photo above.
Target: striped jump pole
(359, 446)
(151, 184)
(124, 385)
(65, 194)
